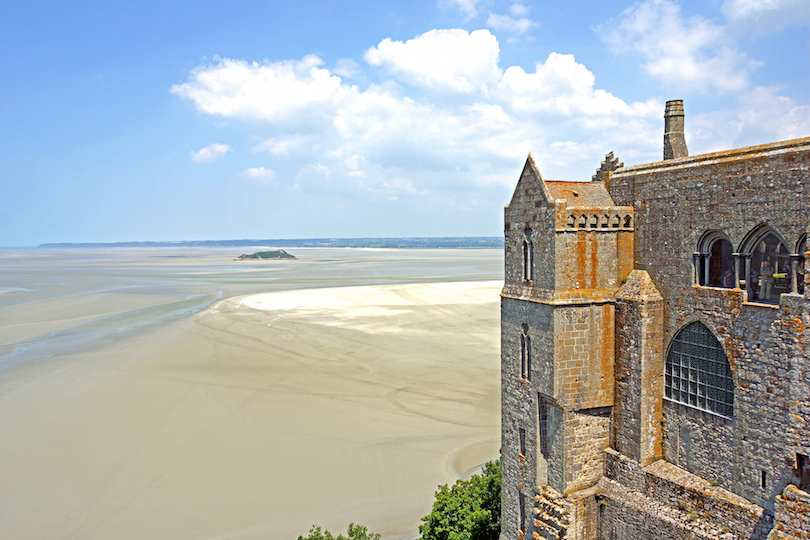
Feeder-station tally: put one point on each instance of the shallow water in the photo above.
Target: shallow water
(58, 301)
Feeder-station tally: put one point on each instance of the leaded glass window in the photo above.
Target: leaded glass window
(698, 373)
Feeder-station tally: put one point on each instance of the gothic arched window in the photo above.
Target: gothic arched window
(714, 263)
(698, 373)
(721, 264)
(767, 264)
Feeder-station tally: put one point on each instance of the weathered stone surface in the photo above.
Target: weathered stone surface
(792, 519)
(639, 370)
(599, 280)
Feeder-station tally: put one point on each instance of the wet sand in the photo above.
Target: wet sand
(257, 417)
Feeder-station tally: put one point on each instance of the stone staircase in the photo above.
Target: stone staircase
(550, 516)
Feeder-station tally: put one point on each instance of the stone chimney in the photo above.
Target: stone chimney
(674, 141)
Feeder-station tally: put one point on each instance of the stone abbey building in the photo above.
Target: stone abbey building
(655, 336)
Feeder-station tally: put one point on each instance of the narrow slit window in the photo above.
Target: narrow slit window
(528, 256)
(801, 474)
(522, 506)
(525, 354)
(522, 440)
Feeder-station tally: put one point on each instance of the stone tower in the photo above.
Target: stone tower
(568, 250)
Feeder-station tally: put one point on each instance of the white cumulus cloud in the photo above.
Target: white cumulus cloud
(468, 7)
(283, 145)
(210, 153)
(559, 86)
(276, 92)
(764, 16)
(365, 138)
(507, 23)
(451, 60)
(463, 120)
(258, 174)
(690, 54)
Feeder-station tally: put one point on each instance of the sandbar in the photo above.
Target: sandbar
(257, 417)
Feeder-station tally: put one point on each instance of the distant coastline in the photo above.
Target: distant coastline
(394, 242)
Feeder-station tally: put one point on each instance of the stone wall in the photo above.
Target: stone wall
(675, 203)
(583, 355)
(665, 501)
(572, 518)
(528, 210)
(519, 406)
(587, 260)
(587, 435)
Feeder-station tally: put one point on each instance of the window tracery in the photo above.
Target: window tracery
(766, 272)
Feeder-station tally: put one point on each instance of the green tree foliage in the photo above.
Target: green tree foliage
(355, 532)
(470, 510)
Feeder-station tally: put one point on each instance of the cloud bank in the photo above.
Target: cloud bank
(439, 114)
(443, 110)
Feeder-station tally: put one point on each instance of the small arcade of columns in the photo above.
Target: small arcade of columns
(762, 265)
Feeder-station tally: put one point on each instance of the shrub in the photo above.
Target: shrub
(355, 532)
(470, 510)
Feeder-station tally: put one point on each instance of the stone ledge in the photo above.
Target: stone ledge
(582, 297)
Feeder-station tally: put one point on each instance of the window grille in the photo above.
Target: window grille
(698, 373)
(542, 425)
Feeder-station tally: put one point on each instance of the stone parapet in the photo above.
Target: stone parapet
(683, 500)
(792, 518)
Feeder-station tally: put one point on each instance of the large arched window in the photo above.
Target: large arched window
(698, 373)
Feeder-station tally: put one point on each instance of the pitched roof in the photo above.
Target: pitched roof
(580, 193)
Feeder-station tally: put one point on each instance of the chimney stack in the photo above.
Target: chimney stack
(674, 141)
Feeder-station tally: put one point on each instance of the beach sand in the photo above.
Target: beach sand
(257, 417)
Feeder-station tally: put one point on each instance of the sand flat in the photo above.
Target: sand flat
(257, 417)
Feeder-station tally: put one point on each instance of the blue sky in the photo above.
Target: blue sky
(150, 120)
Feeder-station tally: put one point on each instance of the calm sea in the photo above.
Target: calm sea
(59, 301)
